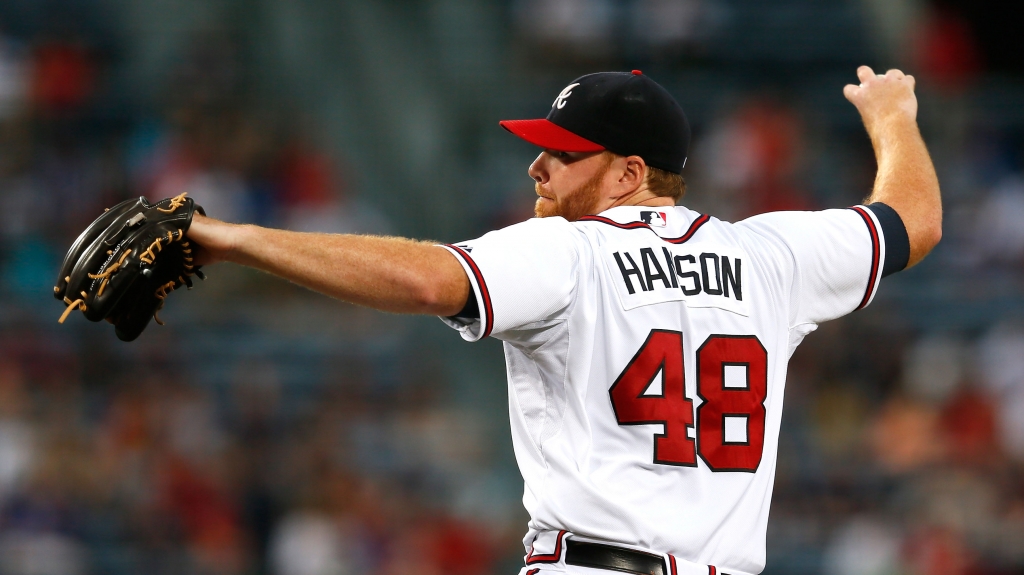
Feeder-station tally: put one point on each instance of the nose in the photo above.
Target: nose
(537, 169)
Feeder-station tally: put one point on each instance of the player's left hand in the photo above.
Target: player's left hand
(213, 239)
(126, 263)
(882, 97)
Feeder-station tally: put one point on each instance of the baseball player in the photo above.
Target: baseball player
(646, 344)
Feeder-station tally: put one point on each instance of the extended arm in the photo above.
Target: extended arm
(385, 273)
(906, 179)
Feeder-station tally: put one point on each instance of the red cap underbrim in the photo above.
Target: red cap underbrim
(549, 135)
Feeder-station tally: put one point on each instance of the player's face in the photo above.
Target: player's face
(569, 184)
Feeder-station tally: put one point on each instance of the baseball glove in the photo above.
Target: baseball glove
(123, 266)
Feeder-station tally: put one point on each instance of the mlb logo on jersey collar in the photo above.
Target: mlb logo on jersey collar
(654, 219)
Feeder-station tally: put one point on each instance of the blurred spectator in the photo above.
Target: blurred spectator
(27, 553)
(679, 33)
(669, 26)
(937, 552)
(73, 178)
(15, 71)
(840, 413)
(753, 159)
(569, 29)
(204, 505)
(998, 234)
(221, 193)
(863, 546)
(1000, 360)
(313, 197)
(309, 543)
(17, 436)
(63, 76)
(904, 435)
(945, 52)
(969, 427)
(933, 368)
(193, 159)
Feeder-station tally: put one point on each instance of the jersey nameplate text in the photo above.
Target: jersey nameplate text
(700, 275)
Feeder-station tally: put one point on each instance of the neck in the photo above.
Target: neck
(645, 198)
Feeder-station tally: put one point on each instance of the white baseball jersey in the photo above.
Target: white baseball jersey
(646, 352)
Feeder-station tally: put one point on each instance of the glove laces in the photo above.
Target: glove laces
(176, 202)
(147, 257)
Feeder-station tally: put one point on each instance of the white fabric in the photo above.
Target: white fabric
(555, 564)
(555, 293)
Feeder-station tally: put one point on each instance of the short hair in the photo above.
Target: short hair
(665, 184)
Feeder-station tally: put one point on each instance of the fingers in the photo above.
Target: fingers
(882, 95)
(850, 91)
(866, 74)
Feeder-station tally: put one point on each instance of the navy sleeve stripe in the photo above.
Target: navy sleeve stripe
(894, 232)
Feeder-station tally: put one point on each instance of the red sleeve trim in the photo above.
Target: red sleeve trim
(553, 557)
(611, 222)
(533, 571)
(672, 564)
(712, 570)
(875, 255)
(697, 223)
(484, 293)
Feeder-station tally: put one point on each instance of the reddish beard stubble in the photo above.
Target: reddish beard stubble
(578, 203)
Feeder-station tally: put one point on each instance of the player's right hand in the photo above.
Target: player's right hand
(882, 97)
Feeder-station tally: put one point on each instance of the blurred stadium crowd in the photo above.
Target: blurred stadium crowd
(306, 437)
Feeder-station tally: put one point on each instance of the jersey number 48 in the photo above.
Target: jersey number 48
(732, 383)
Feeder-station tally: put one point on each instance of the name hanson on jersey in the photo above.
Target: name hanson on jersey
(700, 277)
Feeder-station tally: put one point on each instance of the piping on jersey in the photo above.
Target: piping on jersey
(875, 255)
(553, 557)
(486, 295)
(672, 566)
(697, 223)
(533, 571)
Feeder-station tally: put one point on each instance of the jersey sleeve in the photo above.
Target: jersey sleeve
(831, 261)
(520, 275)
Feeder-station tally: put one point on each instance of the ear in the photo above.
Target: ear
(632, 172)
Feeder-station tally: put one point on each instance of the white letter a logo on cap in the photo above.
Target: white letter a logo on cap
(560, 100)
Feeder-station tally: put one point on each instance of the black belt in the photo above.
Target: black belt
(612, 558)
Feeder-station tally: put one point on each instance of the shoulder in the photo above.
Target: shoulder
(784, 217)
(535, 236)
(803, 224)
(534, 226)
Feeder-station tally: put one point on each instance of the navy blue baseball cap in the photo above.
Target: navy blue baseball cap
(623, 112)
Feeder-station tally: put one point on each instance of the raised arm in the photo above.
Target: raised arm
(385, 273)
(906, 179)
